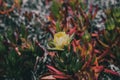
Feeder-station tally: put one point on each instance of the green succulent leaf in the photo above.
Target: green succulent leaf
(55, 8)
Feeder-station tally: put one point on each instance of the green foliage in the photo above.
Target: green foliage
(2, 48)
(110, 25)
(55, 8)
(115, 14)
(68, 61)
(86, 37)
(18, 55)
(58, 26)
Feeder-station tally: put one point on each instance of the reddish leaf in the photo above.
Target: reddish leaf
(17, 50)
(60, 76)
(74, 47)
(8, 11)
(75, 44)
(97, 51)
(70, 11)
(98, 69)
(111, 72)
(95, 35)
(49, 77)
(91, 8)
(103, 54)
(72, 30)
(55, 71)
(52, 54)
(1, 2)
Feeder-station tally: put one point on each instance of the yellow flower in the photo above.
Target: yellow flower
(61, 39)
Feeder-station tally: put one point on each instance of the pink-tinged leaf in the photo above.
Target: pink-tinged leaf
(74, 47)
(73, 30)
(70, 11)
(53, 70)
(49, 77)
(52, 54)
(98, 69)
(94, 43)
(40, 46)
(97, 51)
(80, 34)
(91, 8)
(53, 22)
(60, 76)
(17, 50)
(111, 72)
(103, 54)
(75, 44)
(1, 2)
(52, 30)
(112, 56)
(95, 35)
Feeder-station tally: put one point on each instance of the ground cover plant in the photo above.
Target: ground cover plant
(59, 39)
